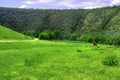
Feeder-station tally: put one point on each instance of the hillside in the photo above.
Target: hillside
(71, 23)
(7, 34)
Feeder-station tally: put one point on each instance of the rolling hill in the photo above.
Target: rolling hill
(7, 34)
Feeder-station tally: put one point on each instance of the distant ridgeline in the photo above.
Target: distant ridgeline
(100, 25)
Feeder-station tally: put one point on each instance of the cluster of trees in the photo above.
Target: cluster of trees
(72, 24)
(92, 38)
(46, 34)
(50, 35)
(112, 40)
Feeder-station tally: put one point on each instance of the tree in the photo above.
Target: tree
(47, 35)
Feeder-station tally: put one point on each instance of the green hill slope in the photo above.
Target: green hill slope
(7, 34)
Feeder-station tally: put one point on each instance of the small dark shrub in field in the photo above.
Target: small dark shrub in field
(101, 52)
(79, 50)
(5, 37)
(111, 60)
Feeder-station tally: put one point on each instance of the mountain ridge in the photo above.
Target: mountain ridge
(102, 21)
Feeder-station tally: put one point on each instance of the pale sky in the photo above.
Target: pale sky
(58, 4)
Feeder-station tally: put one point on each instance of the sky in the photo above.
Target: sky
(58, 4)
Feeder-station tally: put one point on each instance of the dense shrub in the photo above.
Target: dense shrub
(85, 37)
(47, 35)
(44, 36)
(92, 38)
(29, 33)
(73, 37)
(114, 39)
(79, 50)
(58, 34)
(110, 60)
(99, 38)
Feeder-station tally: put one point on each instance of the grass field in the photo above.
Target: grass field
(8, 34)
(54, 60)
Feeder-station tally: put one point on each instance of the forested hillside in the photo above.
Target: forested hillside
(73, 24)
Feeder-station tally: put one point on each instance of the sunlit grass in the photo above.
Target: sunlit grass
(54, 60)
(8, 34)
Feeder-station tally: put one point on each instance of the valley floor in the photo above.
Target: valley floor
(35, 39)
(54, 60)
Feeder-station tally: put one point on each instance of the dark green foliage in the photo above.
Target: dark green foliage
(114, 39)
(73, 37)
(50, 35)
(111, 60)
(89, 24)
(66, 21)
(99, 38)
(58, 34)
(29, 33)
(86, 38)
(92, 38)
(47, 35)
(79, 50)
(44, 36)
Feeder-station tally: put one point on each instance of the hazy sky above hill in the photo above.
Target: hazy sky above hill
(58, 4)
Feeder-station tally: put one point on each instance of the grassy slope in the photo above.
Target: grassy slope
(45, 60)
(7, 34)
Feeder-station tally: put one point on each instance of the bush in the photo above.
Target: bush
(29, 33)
(85, 37)
(99, 38)
(79, 50)
(43, 36)
(73, 37)
(92, 38)
(58, 34)
(110, 60)
(47, 35)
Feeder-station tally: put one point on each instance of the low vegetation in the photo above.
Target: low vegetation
(111, 60)
(54, 60)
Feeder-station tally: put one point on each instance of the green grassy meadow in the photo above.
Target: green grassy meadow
(8, 34)
(56, 60)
